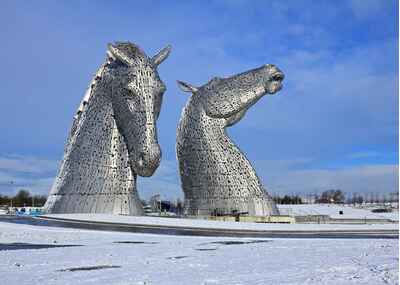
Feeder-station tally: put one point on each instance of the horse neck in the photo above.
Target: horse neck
(206, 136)
(94, 129)
(197, 127)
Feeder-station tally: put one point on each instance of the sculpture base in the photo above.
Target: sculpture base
(117, 204)
(217, 207)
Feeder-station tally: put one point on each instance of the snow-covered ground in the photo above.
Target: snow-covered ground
(198, 223)
(332, 210)
(159, 259)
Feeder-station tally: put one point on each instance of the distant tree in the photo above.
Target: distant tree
(287, 200)
(22, 198)
(4, 200)
(277, 199)
(39, 200)
(356, 199)
(331, 196)
(297, 200)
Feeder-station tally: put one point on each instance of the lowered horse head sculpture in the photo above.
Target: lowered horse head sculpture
(216, 177)
(136, 95)
(113, 136)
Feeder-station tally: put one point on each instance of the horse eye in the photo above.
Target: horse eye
(277, 77)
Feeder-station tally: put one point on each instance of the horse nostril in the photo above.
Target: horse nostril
(141, 160)
(148, 157)
(157, 151)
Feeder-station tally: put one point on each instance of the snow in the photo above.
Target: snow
(192, 260)
(332, 210)
(198, 223)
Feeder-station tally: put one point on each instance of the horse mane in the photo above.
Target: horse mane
(84, 102)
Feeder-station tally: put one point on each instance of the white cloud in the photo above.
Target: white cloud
(37, 175)
(281, 178)
(11, 183)
(26, 172)
(290, 176)
(366, 8)
(364, 154)
(18, 163)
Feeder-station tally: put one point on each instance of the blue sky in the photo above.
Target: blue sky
(334, 124)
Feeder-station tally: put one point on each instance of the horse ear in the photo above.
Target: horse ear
(116, 53)
(161, 55)
(186, 87)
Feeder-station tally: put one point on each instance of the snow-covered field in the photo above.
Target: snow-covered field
(332, 210)
(159, 259)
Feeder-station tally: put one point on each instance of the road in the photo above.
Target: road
(191, 231)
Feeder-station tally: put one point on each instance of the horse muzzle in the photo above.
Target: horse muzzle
(148, 161)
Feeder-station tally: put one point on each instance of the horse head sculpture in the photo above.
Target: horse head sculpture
(229, 98)
(216, 177)
(113, 136)
(136, 98)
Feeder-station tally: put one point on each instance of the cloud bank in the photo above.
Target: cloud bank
(279, 177)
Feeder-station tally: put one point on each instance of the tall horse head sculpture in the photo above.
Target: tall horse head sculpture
(216, 177)
(113, 136)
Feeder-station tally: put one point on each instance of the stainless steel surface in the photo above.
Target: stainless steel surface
(216, 176)
(113, 137)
